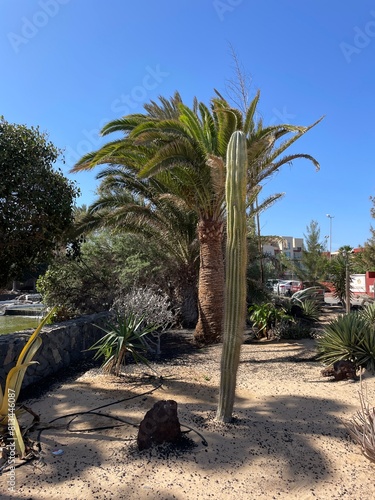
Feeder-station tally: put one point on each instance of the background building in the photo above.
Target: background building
(289, 246)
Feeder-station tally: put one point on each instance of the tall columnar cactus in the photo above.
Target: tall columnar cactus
(235, 276)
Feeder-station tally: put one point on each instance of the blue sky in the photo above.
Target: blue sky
(70, 66)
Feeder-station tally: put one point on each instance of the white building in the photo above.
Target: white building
(287, 245)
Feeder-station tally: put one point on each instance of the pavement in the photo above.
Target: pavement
(357, 300)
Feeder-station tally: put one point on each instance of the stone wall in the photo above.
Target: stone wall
(63, 344)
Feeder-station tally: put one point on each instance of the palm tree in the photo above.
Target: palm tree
(182, 150)
(141, 206)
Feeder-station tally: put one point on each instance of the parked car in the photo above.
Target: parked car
(270, 283)
(287, 287)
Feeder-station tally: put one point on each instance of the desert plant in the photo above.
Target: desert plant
(310, 310)
(368, 312)
(348, 337)
(9, 424)
(306, 303)
(235, 283)
(121, 337)
(361, 428)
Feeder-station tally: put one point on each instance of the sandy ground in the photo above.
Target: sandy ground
(287, 440)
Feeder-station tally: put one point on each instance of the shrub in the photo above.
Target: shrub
(292, 330)
(307, 307)
(307, 303)
(153, 307)
(74, 289)
(266, 316)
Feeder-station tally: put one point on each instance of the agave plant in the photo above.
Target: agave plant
(368, 313)
(125, 335)
(9, 424)
(310, 310)
(349, 337)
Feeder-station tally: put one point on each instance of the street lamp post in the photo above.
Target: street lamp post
(330, 234)
(347, 282)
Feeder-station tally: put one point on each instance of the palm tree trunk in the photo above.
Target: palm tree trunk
(185, 295)
(211, 282)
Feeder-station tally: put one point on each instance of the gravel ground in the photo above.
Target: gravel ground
(287, 440)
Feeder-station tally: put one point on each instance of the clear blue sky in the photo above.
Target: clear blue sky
(70, 66)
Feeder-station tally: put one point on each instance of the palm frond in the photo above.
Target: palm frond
(125, 124)
(249, 126)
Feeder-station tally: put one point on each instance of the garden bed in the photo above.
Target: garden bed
(287, 440)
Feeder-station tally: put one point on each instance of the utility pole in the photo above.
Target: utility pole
(347, 284)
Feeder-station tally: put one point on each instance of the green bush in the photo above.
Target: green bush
(266, 317)
(350, 337)
(292, 330)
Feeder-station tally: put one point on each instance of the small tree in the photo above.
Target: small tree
(340, 268)
(36, 201)
(313, 261)
(313, 265)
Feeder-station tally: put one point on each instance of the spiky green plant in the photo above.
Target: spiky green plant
(122, 336)
(310, 310)
(368, 312)
(236, 262)
(348, 337)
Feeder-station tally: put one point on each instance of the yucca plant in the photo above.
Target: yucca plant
(349, 337)
(310, 310)
(365, 351)
(123, 336)
(9, 424)
(368, 312)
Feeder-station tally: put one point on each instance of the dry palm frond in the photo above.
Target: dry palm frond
(361, 427)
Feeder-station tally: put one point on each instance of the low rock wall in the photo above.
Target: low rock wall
(62, 344)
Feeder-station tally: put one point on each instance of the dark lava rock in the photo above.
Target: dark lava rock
(159, 425)
(341, 370)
